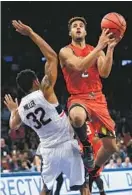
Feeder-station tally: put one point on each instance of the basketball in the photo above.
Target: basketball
(115, 22)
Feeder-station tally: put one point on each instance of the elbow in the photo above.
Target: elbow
(104, 75)
(52, 55)
(52, 58)
(13, 126)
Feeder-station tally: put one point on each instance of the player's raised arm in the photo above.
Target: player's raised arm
(47, 51)
(105, 62)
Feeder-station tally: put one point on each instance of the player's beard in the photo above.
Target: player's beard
(78, 39)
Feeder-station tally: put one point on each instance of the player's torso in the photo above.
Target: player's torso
(49, 121)
(80, 82)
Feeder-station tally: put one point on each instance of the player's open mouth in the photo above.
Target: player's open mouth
(78, 32)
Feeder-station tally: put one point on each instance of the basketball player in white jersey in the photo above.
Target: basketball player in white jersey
(40, 110)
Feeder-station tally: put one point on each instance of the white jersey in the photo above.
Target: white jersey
(48, 120)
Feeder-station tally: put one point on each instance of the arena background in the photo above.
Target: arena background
(49, 19)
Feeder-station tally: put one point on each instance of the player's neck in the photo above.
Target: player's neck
(32, 90)
(80, 45)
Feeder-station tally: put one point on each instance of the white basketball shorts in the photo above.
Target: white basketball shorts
(64, 158)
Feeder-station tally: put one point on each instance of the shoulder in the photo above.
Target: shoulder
(64, 54)
(64, 51)
(90, 46)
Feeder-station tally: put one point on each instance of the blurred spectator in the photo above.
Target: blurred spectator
(5, 114)
(4, 147)
(36, 165)
(110, 165)
(118, 163)
(5, 167)
(25, 166)
(122, 150)
(127, 163)
(129, 149)
(15, 164)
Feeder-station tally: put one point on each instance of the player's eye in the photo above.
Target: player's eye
(81, 25)
(75, 25)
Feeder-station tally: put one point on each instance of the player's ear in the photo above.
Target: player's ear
(36, 82)
(69, 33)
(85, 32)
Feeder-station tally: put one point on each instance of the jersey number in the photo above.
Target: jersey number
(39, 122)
(89, 132)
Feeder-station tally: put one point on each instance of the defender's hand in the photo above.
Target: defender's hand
(10, 103)
(22, 28)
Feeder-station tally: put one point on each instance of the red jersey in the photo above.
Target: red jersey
(82, 82)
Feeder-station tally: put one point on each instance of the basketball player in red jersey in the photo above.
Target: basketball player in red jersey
(82, 66)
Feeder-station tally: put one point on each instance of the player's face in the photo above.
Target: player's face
(78, 31)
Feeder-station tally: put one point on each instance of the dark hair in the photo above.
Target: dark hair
(75, 19)
(25, 80)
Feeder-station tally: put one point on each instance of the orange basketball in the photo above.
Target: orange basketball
(115, 22)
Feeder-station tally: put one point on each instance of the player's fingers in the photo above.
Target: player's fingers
(109, 35)
(7, 98)
(17, 25)
(18, 30)
(5, 103)
(103, 31)
(119, 39)
(20, 22)
(10, 97)
(22, 25)
(16, 100)
(106, 30)
(14, 24)
(14, 21)
(112, 40)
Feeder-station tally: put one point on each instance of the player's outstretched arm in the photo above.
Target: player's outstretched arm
(48, 52)
(12, 106)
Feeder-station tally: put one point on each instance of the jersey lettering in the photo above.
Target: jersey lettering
(85, 74)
